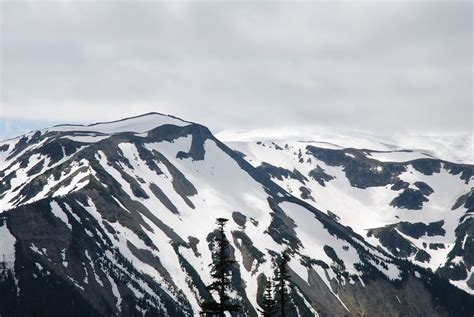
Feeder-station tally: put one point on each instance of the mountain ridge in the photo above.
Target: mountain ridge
(410, 195)
(135, 211)
(422, 145)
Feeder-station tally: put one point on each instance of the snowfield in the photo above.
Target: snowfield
(366, 208)
(456, 148)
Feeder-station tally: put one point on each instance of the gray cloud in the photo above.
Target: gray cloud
(382, 67)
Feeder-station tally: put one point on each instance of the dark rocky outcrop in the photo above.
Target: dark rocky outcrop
(409, 199)
(319, 175)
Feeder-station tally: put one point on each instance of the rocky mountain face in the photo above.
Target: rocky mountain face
(408, 203)
(117, 219)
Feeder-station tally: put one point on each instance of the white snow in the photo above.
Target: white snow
(462, 284)
(4, 154)
(120, 239)
(455, 147)
(216, 198)
(7, 246)
(311, 309)
(115, 291)
(59, 213)
(35, 249)
(139, 124)
(20, 179)
(79, 181)
(92, 138)
(349, 203)
(314, 237)
(96, 277)
(397, 156)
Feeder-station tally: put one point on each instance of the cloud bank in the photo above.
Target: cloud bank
(378, 66)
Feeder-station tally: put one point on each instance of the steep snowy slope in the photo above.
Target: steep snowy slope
(414, 206)
(116, 219)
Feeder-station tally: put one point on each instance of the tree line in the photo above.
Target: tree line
(275, 296)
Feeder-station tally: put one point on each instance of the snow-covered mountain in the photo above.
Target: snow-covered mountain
(116, 219)
(411, 202)
(455, 147)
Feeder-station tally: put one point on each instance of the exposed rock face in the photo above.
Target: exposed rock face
(319, 175)
(118, 219)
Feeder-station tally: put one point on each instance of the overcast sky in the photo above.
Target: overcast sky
(378, 66)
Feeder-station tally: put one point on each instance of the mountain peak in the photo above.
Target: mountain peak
(137, 124)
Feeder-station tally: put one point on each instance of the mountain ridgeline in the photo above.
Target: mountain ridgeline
(118, 219)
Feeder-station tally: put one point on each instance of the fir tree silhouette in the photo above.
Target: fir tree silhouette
(268, 304)
(281, 281)
(220, 273)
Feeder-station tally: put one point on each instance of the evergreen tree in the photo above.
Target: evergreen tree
(8, 290)
(282, 279)
(220, 273)
(268, 304)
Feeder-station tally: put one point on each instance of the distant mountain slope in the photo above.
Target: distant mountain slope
(414, 206)
(456, 148)
(116, 219)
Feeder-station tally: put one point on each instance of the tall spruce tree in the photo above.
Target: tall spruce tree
(268, 303)
(282, 280)
(220, 273)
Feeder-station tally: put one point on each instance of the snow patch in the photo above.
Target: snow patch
(7, 246)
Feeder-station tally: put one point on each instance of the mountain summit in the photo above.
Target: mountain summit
(118, 219)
